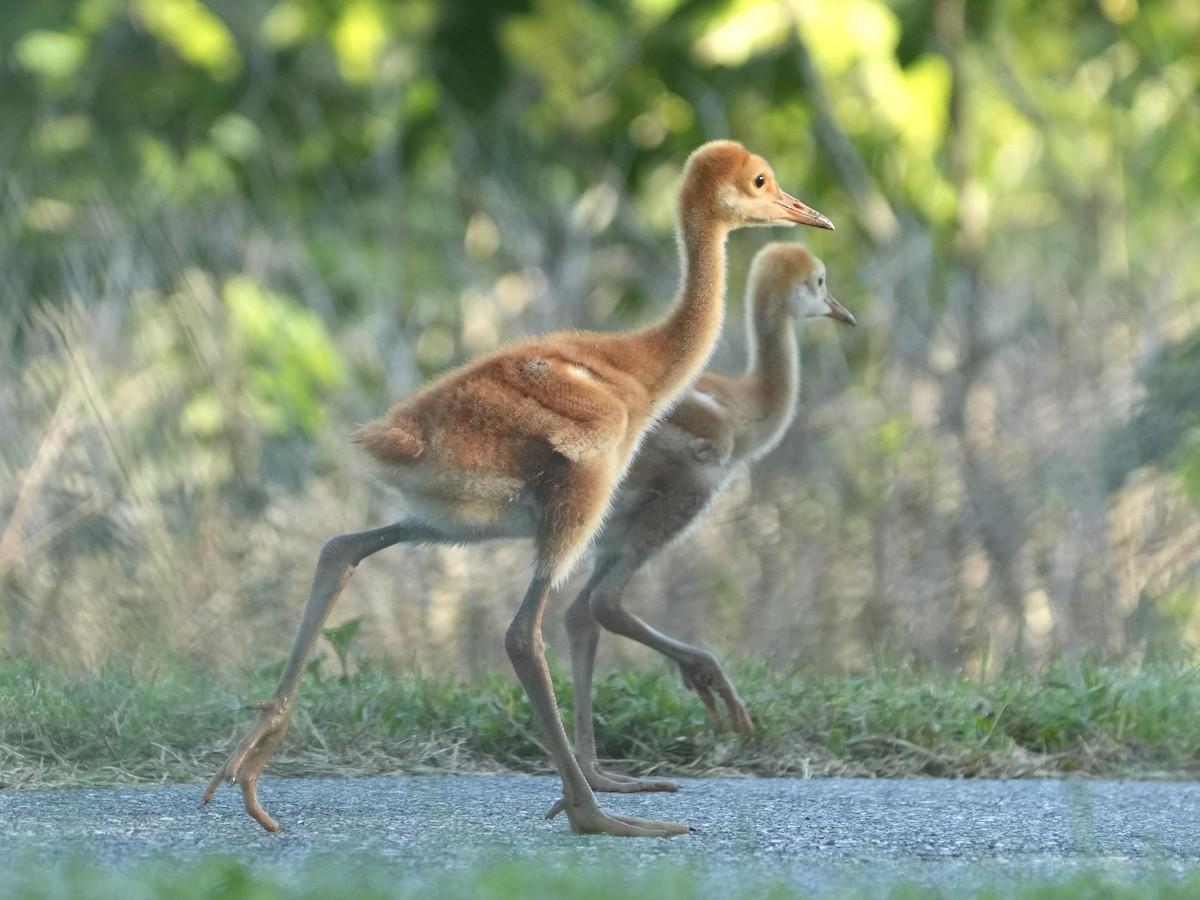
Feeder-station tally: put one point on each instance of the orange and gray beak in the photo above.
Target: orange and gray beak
(837, 311)
(795, 211)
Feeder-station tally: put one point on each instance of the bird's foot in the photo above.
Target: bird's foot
(591, 819)
(706, 678)
(246, 762)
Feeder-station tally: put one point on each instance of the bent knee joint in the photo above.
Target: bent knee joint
(338, 552)
(520, 644)
(609, 612)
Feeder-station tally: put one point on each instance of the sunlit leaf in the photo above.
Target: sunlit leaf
(286, 24)
(745, 28)
(195, 33)
(236, 136)
(288, 357)
(358, 37)
(53, 56)
(842, 33)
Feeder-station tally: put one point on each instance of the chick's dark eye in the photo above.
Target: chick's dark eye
(821, 281)
(759, 180)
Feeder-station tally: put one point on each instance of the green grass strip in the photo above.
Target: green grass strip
(121, 725)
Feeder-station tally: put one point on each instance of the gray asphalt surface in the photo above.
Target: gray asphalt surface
(813, 834)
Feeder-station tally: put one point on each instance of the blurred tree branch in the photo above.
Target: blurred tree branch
(874, 212)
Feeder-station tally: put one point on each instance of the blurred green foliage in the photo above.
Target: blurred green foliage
(296, 104)
(288, 359)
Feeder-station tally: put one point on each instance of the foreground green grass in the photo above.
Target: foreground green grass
(231, 880)
(1076, 718)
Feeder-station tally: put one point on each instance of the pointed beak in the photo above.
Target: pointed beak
(839, 312)
(795, 211)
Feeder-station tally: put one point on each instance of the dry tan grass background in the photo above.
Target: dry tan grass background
(222, 247)
(874, 531)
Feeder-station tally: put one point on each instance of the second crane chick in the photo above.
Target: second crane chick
(682, 467)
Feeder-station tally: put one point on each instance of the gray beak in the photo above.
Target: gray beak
(837, 311)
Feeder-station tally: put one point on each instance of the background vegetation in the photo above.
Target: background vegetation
(231, 230)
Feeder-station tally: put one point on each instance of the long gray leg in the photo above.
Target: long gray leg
(339, 557)
(610, 575)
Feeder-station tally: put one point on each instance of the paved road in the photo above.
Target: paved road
(814, 834)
